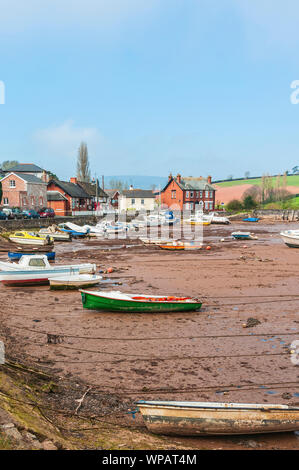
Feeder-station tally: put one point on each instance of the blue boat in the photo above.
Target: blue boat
(16, 256)
(251, 219)
(243, 236)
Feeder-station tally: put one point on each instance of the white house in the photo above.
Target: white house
(136, 199)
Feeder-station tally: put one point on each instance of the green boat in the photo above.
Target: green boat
(116, 301)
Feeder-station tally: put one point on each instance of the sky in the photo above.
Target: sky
(199, 87)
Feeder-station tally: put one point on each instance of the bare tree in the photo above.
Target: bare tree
(83, 171)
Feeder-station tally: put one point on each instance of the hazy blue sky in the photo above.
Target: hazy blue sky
(195, 86)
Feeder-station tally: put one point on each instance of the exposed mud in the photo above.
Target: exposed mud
(211, 355)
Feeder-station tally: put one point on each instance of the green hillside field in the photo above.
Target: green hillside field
(292, 180)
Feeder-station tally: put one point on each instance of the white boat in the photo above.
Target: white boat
(74, 281)
(76, 228)
(208, 418)
(56, 235)
(291, 238)
(216, 219)
(35, 269)
(199, 219)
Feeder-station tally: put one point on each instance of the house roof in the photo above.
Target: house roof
(72, 189)
(188, 183)
(90, 188)
(138, 193)
(111, 192)
(26, 177)
(55, 196)
(25, 167)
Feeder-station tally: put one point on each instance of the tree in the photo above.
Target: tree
(295, 169)
(247, 174)
(118, 184)
(83, 171)
(234, 205)
(0, 192)
(249, 203)
(7, 164)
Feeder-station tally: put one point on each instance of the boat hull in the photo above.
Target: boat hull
(29, 241)
(94, 302)
(198, 422)
(15, 256)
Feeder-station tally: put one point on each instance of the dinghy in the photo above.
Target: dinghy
(116, 301)
(73, 281)
(57, 235)
(251, 219)
(16, 256)
(72, 232)
(181, 245)
(291, 238)
(244, 236)
(204, 418)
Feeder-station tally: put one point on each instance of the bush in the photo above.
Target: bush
(234, 205)
(249, 203)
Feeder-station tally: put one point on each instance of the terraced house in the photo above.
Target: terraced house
(23, 190)
(69, 198)
(189, 193)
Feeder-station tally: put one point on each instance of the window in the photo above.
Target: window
(173, 194)
(187, 194)
(211, 194)
(206, 205)
(5, 201)
(200, 194)
(24, 201)
(197, 194)
(207, 194)
(191, 194)
(32, 200)
(210, 206)
(191, 205)
(12, 184)
(41, 201)
(142, 201)
(132, 201)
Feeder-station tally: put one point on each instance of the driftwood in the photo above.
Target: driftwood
(80, 401)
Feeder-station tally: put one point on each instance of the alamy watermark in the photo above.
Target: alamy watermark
(2, 353)
(295, 352)
(2, 92)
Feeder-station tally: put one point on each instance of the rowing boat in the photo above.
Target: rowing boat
(18, 255)
(291, 238)
(244, 236)
(73, 281)
(204, 418)
(120, 302)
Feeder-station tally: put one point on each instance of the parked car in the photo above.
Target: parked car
(8, 212)
(17, 213)
(46, 212)
(30, 214)
(3, 215)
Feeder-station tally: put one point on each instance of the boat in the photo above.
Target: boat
(200, 219)
(291, 238)
(73, 281)
(120, 302)
(251, 219)
(35, 269)
(17, 255)
(209, 418)
(156, 241)
(244, 236)
(30, 238)
(216, 219)
(181, 245)
(56, 234)
(74, 233)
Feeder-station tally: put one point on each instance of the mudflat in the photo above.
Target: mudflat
(237, 348)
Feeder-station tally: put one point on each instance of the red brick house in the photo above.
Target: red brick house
(188, 193)
(23, 190)
(113, 195)
(68, 198)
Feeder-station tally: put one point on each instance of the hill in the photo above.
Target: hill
(292, 180)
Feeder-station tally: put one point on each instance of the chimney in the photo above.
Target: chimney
(170, 177)
(179, 177)
(45, 176)
(73, 180)
(210, 179)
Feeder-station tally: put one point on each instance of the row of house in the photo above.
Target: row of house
(30, 187)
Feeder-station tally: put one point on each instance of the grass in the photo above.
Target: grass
(292, 203)
(292, 180)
